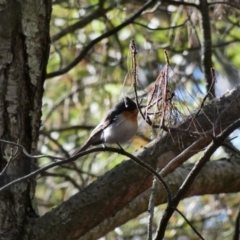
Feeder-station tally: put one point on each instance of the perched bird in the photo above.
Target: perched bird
(118, 126)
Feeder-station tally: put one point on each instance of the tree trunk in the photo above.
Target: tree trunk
(24, 50)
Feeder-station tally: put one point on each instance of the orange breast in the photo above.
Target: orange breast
(130, 115)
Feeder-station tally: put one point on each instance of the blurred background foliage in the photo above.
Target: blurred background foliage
(89, 72)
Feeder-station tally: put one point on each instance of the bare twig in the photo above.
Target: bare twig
(98, 39)
(84, 21)
(55, 141)
(205, 98)
(10, 158)
(68, 128)
(190, 224)
(191, 177)
(161, 29)
(133, 49)
(61, 175)
(164, 88)
(27, 154)
(151, 205)
(75, 157)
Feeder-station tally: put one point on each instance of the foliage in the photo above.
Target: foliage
(89, 70)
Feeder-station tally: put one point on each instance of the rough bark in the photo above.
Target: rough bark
(112, 192)
(209, 181)
(24, 50)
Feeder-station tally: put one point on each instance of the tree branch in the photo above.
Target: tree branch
(206, 44)
(191, 177)
(127, 180)
(98, 39)
(84, 21)
(215, 170)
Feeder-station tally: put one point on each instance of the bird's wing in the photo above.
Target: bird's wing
(110, 117)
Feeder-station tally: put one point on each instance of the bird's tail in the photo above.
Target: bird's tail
(84, 147)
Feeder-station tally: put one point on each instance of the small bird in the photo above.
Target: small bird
(118, 126)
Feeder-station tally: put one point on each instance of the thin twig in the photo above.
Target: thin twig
(151, 204)
(190, 224)
(61, 175)
(27, 154)
(83, 22)
(133, 49)
(107, 34)
(75, 157)
(162, 29)
(205, 98)
(164, 88)
(10, 158)
(190, 179)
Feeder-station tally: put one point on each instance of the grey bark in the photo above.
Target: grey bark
(24, 49)
(220, 176)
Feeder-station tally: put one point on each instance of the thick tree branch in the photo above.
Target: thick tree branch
(205, 183)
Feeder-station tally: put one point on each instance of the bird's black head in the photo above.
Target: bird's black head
(129, 103)
(126, 104)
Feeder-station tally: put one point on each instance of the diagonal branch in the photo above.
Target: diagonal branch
(98, 39)
(81, 24)
(216, 170)
(192, 176)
